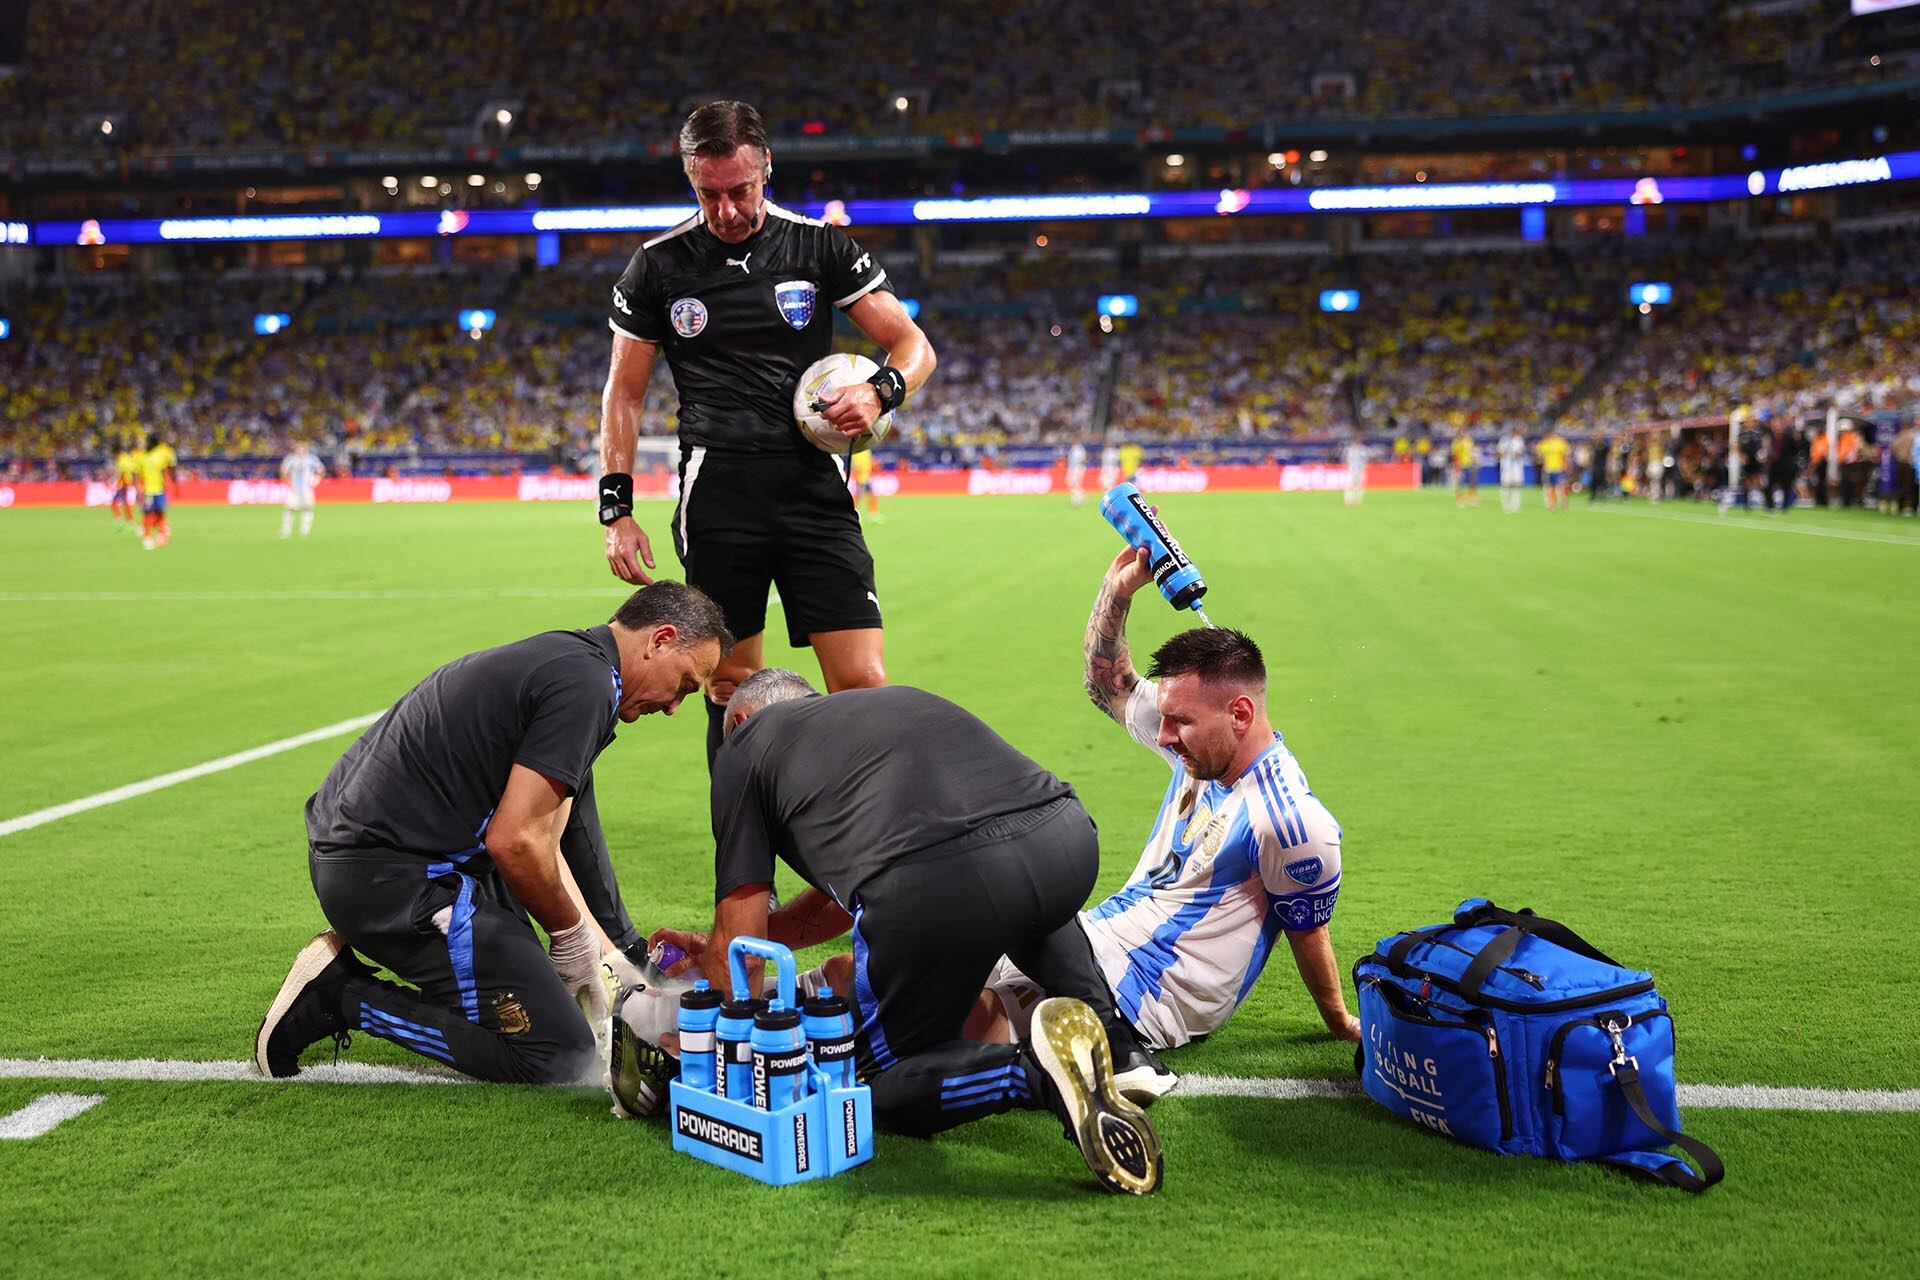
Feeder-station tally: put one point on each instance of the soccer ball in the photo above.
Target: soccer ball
(841, 369)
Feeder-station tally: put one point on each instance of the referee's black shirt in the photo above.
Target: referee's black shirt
(741, 322)
(844, 786)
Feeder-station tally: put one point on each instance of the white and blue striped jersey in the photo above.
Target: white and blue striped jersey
(301, 471)
(1224, 872)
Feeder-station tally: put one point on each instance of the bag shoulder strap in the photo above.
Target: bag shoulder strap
(1658, 1165)
(1539, 926)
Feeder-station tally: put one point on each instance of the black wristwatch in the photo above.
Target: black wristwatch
(616, 496)
(891, 385)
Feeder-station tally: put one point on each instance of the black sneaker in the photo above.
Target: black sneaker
(1140, 1076)
(307, 1008)
(1114, 1136)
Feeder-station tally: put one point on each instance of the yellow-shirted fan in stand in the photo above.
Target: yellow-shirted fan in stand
(823, 377)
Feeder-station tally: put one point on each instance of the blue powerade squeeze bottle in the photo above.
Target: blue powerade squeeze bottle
(1179, 581)
(733, 1034)
(829, 1027)
(779, 1058)
(699, 1011)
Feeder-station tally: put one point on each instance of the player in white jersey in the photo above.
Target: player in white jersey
(1356, 455)
(1241, 852)
(1109, 466)
(1077, 471)
(1513, 470)
(302, 472)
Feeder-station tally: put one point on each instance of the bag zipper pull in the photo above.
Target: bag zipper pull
(1426, 988)
(1493, 1043)
(1552, 1069)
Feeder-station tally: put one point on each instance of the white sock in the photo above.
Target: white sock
(286, 522)
(306, 523)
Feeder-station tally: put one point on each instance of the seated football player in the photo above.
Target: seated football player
(1240, 853)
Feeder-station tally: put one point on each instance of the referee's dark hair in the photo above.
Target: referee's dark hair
(688, 609)
(719, 129)
(1218, 655)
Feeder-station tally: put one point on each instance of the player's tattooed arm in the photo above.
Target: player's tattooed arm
(1110, 676)
(811, 917)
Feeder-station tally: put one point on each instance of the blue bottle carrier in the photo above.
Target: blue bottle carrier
(828, 1131)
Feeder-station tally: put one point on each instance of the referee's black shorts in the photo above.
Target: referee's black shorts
(749, 520)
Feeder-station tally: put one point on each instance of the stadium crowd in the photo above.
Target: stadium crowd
(1224, 348)
(428, 72)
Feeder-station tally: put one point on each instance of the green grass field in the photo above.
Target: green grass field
(1692, 738)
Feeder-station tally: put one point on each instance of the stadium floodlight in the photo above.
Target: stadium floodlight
(1278, 159)
(268, 323)
(503, 117)
(476, 320)
(6, 328)
(429, 182)
(1650, 293)
(1339, 299)
(476, 180)
(911, 306)
(901, 103)
(533, 181)
(1175, 160)
(106, 127)
(1317, 156)
(1118, 304)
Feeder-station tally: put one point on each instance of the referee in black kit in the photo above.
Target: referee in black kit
(941, 848)
(741, 298)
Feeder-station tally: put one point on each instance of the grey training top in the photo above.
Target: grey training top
(844, 786)
(425, 777)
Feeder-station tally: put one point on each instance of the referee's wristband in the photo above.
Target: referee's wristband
(616, 496)
(891, 385)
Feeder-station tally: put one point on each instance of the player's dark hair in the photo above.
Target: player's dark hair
(1215, 654)
(688, 609)
(719, 129)
(153, 440)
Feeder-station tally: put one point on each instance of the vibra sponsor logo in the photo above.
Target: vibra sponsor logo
(885, 484)
(98, 494)
(1312, 478)
(1171, 480)
(999, 483)
(256, 493)
(557, 489)
(6, 496)
(414, 490)
(718, 1133)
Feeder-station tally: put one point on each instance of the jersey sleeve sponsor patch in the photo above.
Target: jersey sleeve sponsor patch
(1300, 912)
(852, 272)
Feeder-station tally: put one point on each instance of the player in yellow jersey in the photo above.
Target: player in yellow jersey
(126, 465)
(157, 462)
(1552, 451)
(1466, 471)
(1130, 456)
(860, 467)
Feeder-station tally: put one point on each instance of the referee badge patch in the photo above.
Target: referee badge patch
(689, 316)
(796, 301)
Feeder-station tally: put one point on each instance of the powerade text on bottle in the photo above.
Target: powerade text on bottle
(733, 1037)
(699, 1011)
(829, 1027)
(1127, 511)
(779, 1058)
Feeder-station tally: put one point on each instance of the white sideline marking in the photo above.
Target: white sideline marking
(1739, 1097)
(41, 817)
(306, 593)
(45, 1112)
(1729, 522)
